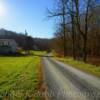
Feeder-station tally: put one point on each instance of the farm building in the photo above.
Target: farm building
(8, 46)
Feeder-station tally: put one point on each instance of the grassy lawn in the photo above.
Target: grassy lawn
(92, 69)
(39, 53)
(18, 77)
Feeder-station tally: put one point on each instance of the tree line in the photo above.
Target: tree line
(78, 29)
(26, 42)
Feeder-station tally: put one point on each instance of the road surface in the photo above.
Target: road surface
(67, 83)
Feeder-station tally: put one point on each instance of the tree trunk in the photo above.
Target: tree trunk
(85, 49)
(73, 29)
(86, 31)
(64, 27)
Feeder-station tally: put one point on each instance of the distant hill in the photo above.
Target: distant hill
(20, 38)
(4, 32)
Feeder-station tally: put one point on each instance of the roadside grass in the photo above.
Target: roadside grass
(89, 68)
(18, 77)
(39, 53)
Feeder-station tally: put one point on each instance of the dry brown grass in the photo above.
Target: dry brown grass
(94, 60)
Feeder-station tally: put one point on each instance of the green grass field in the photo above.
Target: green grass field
(89, 68)
(39, 53)
(18, 77)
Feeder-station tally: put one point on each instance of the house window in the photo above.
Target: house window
(6, 43)
(0, 44)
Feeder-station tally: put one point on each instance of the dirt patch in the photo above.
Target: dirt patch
(42, 87)
(39, 92)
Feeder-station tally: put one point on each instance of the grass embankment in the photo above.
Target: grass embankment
(39, 53)
(19, 77)
(89, 68)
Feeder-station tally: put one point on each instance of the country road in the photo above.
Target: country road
(67, 83)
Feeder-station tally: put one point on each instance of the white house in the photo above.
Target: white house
(8, 46)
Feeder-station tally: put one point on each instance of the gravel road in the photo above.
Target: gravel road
(67, 83)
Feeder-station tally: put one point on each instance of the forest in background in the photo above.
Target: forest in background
(77, 32)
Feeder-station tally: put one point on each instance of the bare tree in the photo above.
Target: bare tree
(61, 12)
(77, 16)
(71, 11)
(86, 23)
